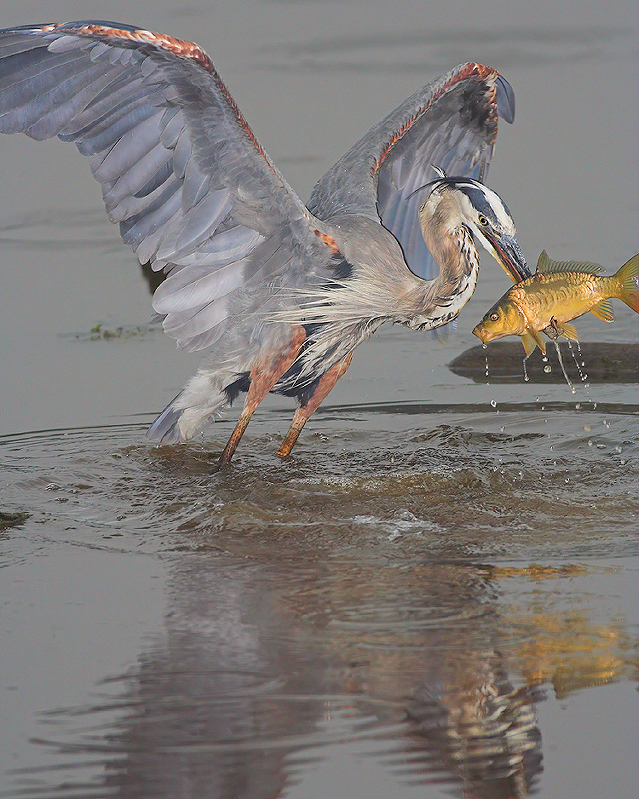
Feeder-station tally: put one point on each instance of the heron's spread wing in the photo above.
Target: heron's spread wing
(181, 171)
(450, 123)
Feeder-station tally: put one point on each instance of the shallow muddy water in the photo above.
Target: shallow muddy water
(436, 595)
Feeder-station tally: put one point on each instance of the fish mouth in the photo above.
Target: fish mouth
(506, 251)
(483, 334)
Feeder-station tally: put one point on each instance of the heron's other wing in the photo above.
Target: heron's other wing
(181, 172)
(450, 123)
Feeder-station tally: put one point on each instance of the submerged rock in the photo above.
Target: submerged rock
(604, 363)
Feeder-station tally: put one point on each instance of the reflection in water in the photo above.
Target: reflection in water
(201, 704)
(250, 674)
(356, 614)
(484, 733)
(260, 664)
(247, 675)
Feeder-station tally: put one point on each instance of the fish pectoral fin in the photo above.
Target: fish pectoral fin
(603, 310)
(539, 341)
(531, 340)
(568, 331)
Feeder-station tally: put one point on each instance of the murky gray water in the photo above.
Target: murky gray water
(437, 594)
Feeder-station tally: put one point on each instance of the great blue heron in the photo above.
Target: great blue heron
(280, 292)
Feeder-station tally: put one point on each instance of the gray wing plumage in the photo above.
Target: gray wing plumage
(451, 123)
(191, 188)
(181, 172)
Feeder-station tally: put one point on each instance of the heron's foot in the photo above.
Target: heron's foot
(304, 412)
(264, 375)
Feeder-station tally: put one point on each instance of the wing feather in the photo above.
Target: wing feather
(181, 172)
(191, 188)
(450, 123)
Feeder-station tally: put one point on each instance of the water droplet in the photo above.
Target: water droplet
(493, 403)
(577, 405)
(587, 428)
(547, 368)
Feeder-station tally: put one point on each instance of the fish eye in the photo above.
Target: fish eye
(494, 317)
(482, 220)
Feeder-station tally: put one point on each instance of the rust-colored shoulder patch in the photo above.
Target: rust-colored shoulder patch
(328, 240)
(176, 46)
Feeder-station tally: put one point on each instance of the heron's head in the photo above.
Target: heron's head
(465, 201)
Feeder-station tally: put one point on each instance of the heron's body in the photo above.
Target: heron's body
(279, 293)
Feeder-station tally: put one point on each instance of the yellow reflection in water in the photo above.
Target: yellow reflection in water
(567, 648)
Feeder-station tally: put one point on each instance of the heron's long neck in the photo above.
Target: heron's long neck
(442, 298)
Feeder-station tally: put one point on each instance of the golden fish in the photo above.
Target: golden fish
(558, 292)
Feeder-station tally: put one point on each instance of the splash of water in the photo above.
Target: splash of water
(577, 358)
(563, 368)
(485, 346)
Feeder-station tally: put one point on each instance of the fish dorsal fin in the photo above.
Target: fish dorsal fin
(546, 264)
(568, 331)
(603, 310)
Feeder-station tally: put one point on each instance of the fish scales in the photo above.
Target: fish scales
(559, 295)
(559, 292)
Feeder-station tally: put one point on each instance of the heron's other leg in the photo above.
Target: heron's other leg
(326, 383)
(264, 376)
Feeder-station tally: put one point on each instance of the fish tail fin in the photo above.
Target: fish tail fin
(628, 277)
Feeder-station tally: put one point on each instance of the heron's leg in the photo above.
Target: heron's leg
(264, 376)
(326, 383)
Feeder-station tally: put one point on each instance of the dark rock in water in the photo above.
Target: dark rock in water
(12, 519)
(604, 363)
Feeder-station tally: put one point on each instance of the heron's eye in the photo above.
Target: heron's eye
(482, 220)
(494, 317)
